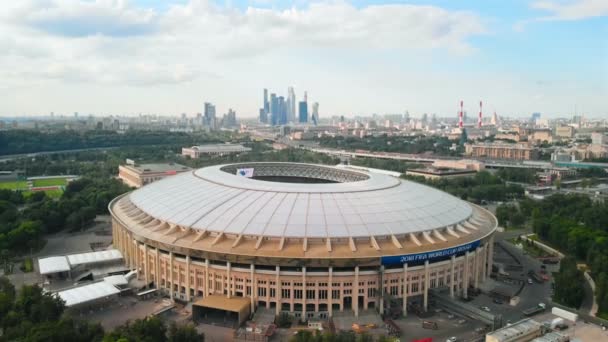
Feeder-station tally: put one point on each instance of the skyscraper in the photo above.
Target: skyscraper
(263, 116)
(274, 109)
(303, 111)
(282, 111)
(266, 104)
(209, 119)
(291, 102)
(315, 113)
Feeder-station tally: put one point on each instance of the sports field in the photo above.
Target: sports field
(49, 182)
(14, 185)
(55, 186)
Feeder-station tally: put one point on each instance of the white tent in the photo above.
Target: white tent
(54, 264)
(87, 293)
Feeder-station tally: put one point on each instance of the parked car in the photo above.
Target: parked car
(452, 339)
(485, 308)
(498, 301)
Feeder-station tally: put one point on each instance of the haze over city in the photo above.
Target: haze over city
(354, 58)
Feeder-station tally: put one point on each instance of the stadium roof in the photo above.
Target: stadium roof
(87, 293)
(94, 257)
(54, 264)
(357, 204)
(65, 263)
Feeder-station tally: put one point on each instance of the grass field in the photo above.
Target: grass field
(14, 185)
(49, 182)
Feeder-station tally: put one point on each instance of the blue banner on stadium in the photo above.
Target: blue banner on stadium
(439, 255)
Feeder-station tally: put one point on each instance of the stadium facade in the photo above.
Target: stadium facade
(304, 239)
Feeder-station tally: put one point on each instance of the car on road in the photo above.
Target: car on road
(452, 339)
(485, 308)
(498, 301)
(530, 281)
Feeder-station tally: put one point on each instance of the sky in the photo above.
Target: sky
(126, 57)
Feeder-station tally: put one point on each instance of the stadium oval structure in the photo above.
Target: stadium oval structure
(300, 238)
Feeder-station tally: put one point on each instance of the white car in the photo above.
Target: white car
(452, 339)
(485, 308)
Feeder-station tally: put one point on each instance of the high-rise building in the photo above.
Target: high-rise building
(274, 109)
(282, 111)
(291, 102)
(303, 111)
(263, 116)
(229, 119)
(315, 113)
(266, 104)
(209, 119)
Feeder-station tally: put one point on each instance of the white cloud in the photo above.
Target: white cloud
(112, 41)
(572, 10)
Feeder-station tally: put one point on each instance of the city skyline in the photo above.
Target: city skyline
(148, 56)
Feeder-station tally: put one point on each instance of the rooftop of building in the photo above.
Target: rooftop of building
(157, 167)
(300, 209)
(523, 327)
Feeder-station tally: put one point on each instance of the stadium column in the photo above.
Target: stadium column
(157, 268)
(452, 262)
(490, 254)
(465, 281)
(404, 291)
(484, 262)
(253, 287)
(172, 286)
(330, 297)
(278, 292)
(188, 278)
(146, 268)
(382, 289)
(206, 286)
(304, 296)
(228, 282)
(477, 254)
(355, 294)
(426, 285)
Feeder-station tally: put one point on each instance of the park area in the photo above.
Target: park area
(52, 186)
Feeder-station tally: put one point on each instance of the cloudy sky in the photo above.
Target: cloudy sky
(359, 57)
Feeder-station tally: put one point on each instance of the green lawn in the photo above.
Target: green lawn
(14, 185)
(49, 182)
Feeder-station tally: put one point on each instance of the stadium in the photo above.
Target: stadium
(302, 239)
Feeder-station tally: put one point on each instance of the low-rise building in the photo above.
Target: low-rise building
(522, 331)
(440, 173)
(502, 151)
(137, 175)
(564, 132)
(195, 152)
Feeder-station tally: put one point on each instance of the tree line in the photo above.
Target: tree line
(24, 224)
(577, 226)
(484, 186)
(30, 141)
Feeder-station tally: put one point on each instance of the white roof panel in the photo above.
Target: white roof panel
(94, 257)
(377, 204)
(87, 293)
(52, 265)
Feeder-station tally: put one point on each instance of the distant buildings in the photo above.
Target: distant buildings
(564, 132)
(137, 175)
(285, 110)
(501, 151)
(195, 152)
